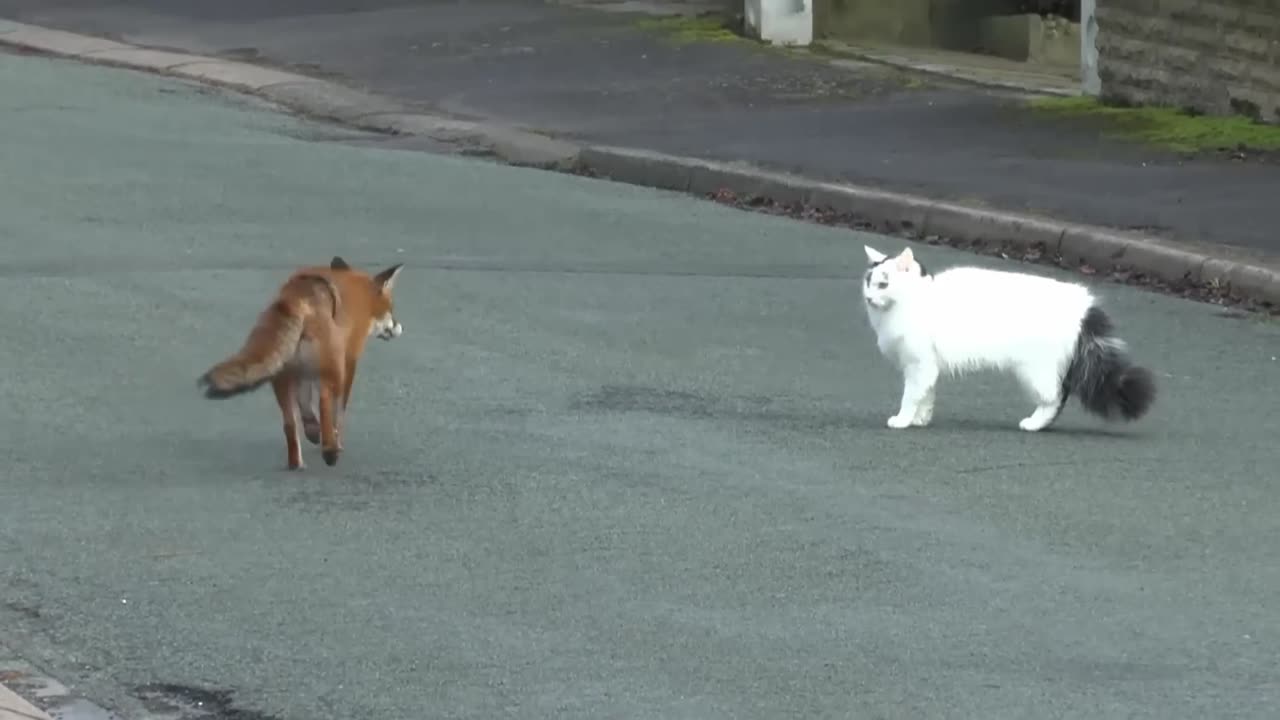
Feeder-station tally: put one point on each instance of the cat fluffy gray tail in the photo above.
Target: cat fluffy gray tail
(1103, 376)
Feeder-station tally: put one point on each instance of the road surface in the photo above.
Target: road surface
(627, 460)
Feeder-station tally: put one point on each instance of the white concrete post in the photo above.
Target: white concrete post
(1090, 82)
(781, 22)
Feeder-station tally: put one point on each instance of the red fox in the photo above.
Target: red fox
(310, 338)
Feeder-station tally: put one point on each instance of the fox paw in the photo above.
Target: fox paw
(311, 428)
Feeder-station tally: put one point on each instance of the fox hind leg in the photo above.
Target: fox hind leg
(307, 407)
(329, 399)
(285, 386)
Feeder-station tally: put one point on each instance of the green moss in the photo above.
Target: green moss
(1166, 127)
(685, 30)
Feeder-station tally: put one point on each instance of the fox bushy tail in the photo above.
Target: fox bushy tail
(273, 340)
(1102, 374)
(270, 344)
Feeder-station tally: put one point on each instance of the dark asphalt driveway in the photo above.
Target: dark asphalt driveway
(599, 77)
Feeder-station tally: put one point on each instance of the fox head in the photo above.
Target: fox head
(384, 325)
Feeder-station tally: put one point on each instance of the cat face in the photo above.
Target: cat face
(887, 280)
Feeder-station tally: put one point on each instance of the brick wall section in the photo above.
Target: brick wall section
(1213, 56)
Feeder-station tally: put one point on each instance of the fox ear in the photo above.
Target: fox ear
(338, 263)
(873, 256)
(387, 278)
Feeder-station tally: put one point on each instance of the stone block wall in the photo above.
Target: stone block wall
(1216, 57)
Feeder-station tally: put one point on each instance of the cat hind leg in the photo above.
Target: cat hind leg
(1045, 389)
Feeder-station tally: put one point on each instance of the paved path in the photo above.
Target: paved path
(596, 76)
(626, 461)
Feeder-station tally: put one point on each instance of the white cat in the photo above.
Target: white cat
(1050, 334)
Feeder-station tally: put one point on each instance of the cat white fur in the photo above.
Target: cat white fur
(1050, 334)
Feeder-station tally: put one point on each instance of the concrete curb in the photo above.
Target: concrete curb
(1239, 276)
(1228, 272)
(309, 96)
(14, 707)
(60, 701)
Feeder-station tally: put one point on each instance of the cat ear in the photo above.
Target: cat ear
(905, 260)
(873, 255)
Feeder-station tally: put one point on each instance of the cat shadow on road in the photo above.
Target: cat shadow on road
(965, 425)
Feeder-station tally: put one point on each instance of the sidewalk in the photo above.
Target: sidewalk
(685, 89)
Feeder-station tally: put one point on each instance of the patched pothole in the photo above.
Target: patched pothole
(169, 701)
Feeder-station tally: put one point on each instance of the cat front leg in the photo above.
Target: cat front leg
(918, 382)
(924, 409)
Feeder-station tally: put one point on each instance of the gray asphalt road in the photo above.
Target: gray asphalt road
(627, 460)
(597, 76)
